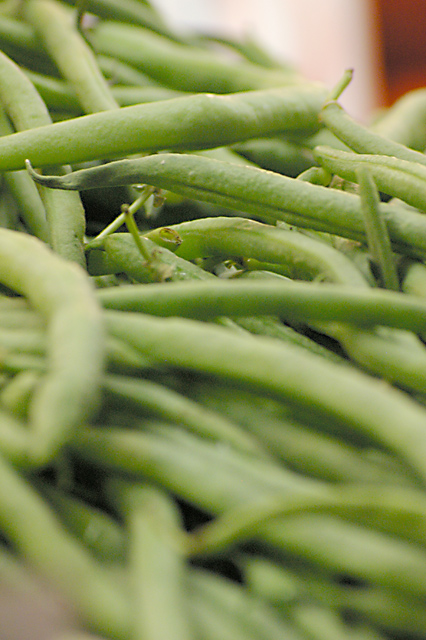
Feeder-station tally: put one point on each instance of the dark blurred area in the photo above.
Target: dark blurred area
(401, 31)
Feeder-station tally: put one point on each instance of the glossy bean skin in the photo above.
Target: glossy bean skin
(261, 193)
(190, 122)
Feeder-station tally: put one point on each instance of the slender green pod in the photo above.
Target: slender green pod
(277, 154)
(155, 399)
(190, 122)
(61, 292)
(377, 234)
(395, 510)
(357, 401)
(58, 32)
(182, 66)
(295, 301)
(402, 179)
(260, 193)
(300, 256)
(157, 564)
(121, 250)
(65, 216)
(362, 139)
(31, 209)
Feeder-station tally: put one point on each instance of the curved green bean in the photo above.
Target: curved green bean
(62, 294)
(405, 120)
(398, 511)
(261, 193)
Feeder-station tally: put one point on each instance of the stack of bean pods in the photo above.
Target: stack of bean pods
(212, 325)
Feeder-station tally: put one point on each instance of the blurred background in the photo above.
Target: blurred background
(383, 40)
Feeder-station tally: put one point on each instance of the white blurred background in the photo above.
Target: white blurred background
(321, 37)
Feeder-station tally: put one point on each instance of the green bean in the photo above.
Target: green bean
(255, 191)
(119, 72)
(201, 474)
(363, 140)
(190, 122)
(166, 404)
(70, 53)
(123, 253)
(361, 403)
(290, 593)
(302, 442)
(31, 208)
(180, 66)
(296, 301)
(156, 563)
(65, 216)
(400, 178)
(56, 93)
(121, 250)
(19, 41)
(377, 233)
(61, 293)
(33, 530)
(240, 238)
(394, 510)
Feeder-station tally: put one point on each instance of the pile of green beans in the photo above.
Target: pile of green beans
(212, 337)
